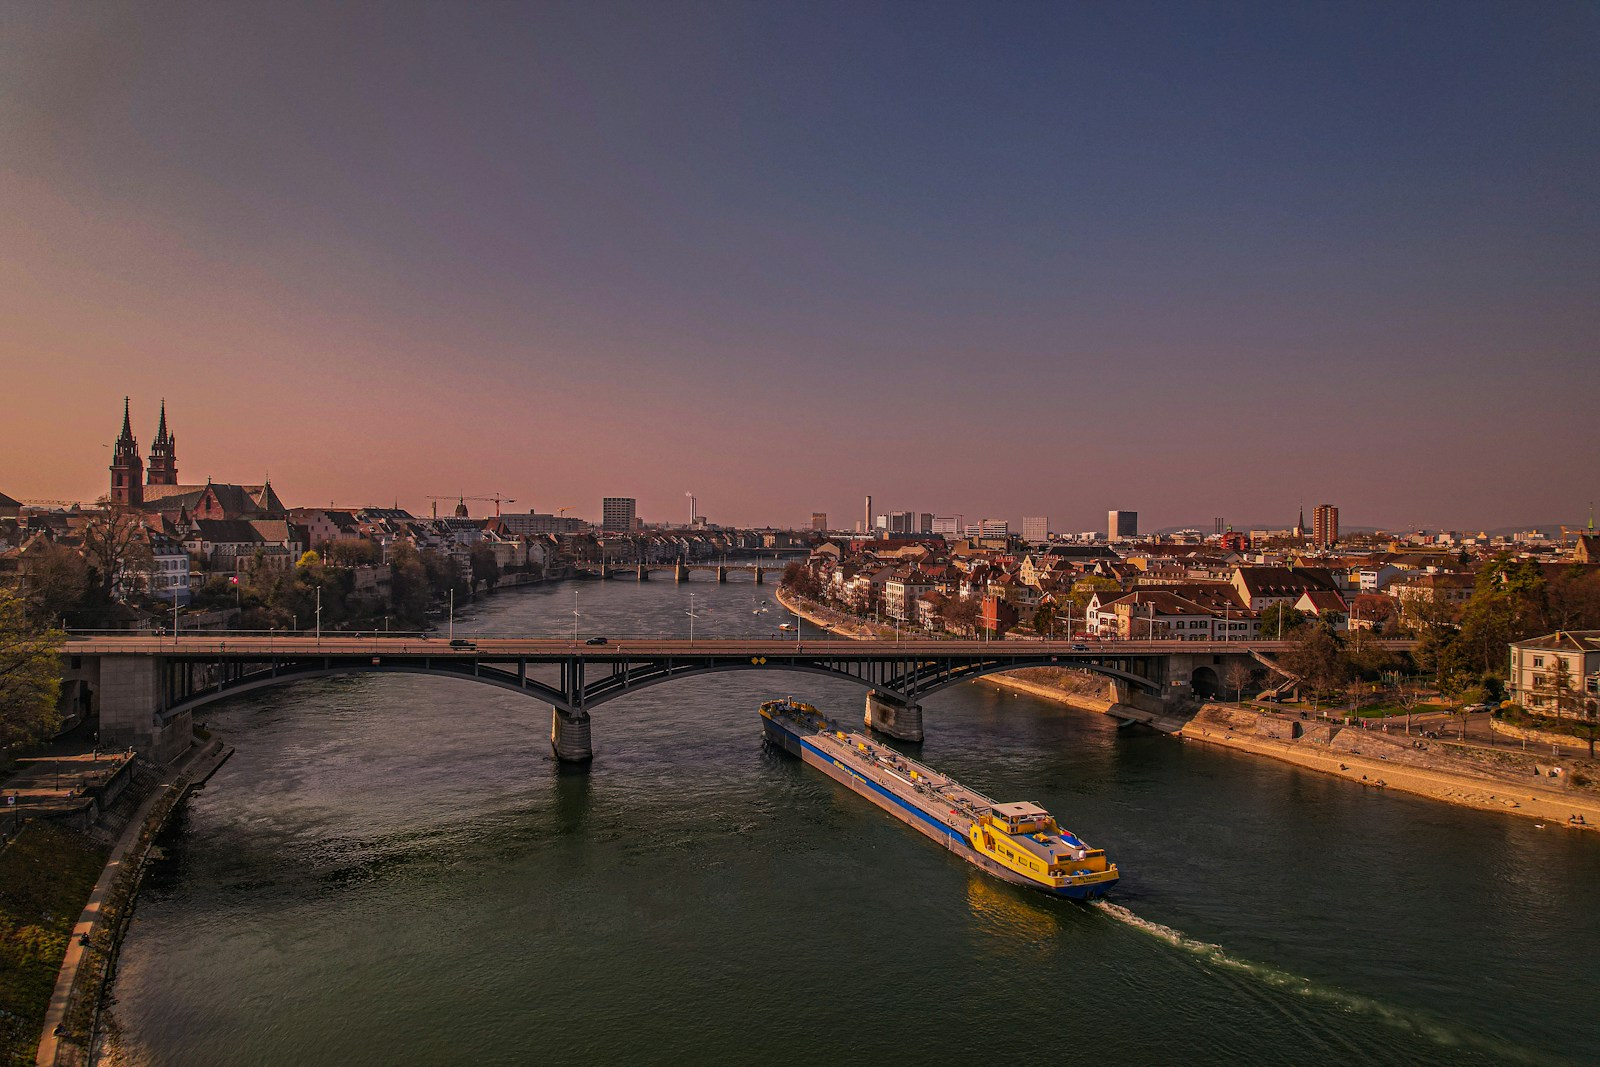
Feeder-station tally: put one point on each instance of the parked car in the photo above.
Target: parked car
(596, 641)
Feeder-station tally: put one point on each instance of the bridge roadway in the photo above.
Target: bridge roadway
(146, 687)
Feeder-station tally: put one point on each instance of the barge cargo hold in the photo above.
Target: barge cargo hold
(1019, 842)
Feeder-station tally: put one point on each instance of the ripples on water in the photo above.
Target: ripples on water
(392, 870)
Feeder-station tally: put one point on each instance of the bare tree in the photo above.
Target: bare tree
(1236, 675)
(117, 547)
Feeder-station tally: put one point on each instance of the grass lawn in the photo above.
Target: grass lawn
(46, 874)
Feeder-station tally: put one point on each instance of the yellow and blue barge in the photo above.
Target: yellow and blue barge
(1017, 842)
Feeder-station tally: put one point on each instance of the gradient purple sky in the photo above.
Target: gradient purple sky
(1187, 259)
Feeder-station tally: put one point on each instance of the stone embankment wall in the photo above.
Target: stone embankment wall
(1535, 737)
(1473, 775)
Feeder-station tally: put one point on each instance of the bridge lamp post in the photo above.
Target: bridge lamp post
(319, 614)
(452, 614)
(692, 617)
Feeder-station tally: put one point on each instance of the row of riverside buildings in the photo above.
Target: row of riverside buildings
(1209, 592)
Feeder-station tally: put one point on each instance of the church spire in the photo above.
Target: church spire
(126, 436)
(127, 469)
(163, 454)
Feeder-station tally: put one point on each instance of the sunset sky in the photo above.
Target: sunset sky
(1190, 259)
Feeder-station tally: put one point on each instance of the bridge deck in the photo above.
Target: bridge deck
(228, 645)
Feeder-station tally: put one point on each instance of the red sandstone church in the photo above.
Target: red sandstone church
(155, 489)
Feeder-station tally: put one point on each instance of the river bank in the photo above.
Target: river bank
(1505, 781)
(72, 1019)
(1511, 781)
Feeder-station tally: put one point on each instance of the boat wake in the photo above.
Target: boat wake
(1417, 1022)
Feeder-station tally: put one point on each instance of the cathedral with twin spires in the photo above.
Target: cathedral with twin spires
(154, 487)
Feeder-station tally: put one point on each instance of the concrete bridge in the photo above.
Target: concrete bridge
(680, 571)
(146, 689)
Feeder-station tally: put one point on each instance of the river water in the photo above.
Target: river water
(392, 870)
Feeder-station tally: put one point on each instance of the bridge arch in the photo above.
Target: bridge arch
(925, 678)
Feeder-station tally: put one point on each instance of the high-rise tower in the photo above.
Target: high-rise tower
(163, 468)
(127, 469)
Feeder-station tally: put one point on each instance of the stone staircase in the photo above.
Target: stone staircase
(146, 777)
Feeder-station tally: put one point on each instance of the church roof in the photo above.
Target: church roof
(7, 502)
(235, 499)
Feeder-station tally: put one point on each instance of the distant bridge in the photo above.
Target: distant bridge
(147, 688)
(679, 571)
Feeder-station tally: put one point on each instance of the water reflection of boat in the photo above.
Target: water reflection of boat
(1009, 915)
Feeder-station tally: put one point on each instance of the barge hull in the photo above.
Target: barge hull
(950, 837)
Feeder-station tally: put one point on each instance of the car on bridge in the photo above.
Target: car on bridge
(461, 642)
(597, 641)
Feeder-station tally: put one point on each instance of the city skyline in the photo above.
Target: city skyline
(561, 254)
(160, 444)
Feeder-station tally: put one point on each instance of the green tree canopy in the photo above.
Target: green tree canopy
(30, 676)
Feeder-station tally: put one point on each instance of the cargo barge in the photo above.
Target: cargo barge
(1017, 842)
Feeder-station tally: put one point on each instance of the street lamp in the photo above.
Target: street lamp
(692, 617)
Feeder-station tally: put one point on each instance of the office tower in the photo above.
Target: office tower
(1325, 525)
(1121, 524)
(991, 528)
(819, 522)
(617, 513)
(925, 522)
(1036, 528)
(900, 522)
(866, 518)
(947, 525)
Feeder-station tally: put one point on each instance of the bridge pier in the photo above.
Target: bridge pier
(644, 573)
(680, 573)
(760, 579)
(722, 575)
(131, 702)
(890, 715)
(569, 736)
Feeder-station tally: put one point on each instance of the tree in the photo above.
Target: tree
(57, 583)
(1317, 660)
(798, 579)
(1044, 617)
(1084, 589)
(30, 676)
(961, 615)
(485, 568)
(352, 553)
(1279, 621)
(1236, 675)
(409, 583)
(115, 546)
(1408, 694)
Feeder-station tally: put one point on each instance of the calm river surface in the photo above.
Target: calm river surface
(393, 871)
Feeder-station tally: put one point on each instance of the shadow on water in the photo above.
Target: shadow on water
(574, 795)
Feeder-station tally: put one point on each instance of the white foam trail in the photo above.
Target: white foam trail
(1404, 1019)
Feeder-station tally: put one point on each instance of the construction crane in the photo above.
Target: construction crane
(462, 499)
(563, 509)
